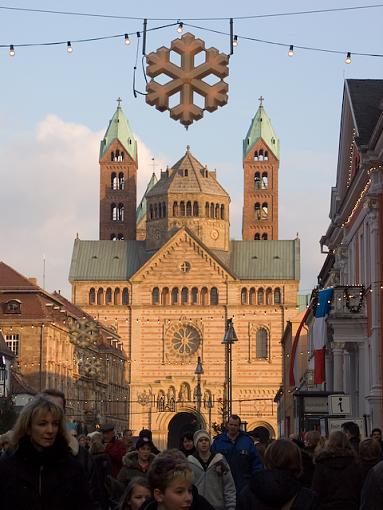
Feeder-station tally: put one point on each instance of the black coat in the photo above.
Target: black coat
(372, 493)
(337, 481)
(271, 489)
(48, 480)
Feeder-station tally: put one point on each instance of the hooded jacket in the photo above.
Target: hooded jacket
(241, 455)
(51, 479)
(216, 484)
(272, 489)
(337, 480)
(131, 467)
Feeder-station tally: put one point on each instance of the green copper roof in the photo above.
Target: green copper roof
(141, 209)
(261, 127)
(119, 129)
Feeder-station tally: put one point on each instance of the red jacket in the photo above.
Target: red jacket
(116, 450)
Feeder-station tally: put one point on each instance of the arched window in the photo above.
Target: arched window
(194, 296)
(113, 181)
(257, 237)
(100, 296)
(182, 208)
(121, 212)
(257, 181)
(266, 155)
(117, 155)
(216, 215)
(125, 296)
(214, 296)
(261, 155)
(265, 210)
(264, 237)
(277, 296)
(92, 296)
(117, 296)
(122, 155)
(175, 208)
(252, 299)
(204, 298)
(186, 172)
(112, 156)
(195, 209)
(207, 209)
(165, 296)
(113, 212)
(155, 211)
(261, 344)
(151, 212)
(265, 180)
(257, 208)
(222, 212)
(155, 296)
(113, 237)
(163, 210)
(212, 210)
(120, 237)
(255, 155)
(260, 296)
(121, 181)
(269, 296)
(244, 296)
(175, 296)
(108, 296)
(184, 296)
(188, 209)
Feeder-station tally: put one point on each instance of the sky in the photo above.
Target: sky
(55, 108)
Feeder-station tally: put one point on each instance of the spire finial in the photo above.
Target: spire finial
(261, 99)
(188, 148)
(119, 101)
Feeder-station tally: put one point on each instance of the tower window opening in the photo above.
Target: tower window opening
(260, 296)
(261, 155)
(121, 182)
(113, 237)
(121, 211)
(265, 180)
(207, 209)
(155, 211)
(211, 210)
(120, 237)
(188, 209)
(266, 155)
(216, 211)
(195, 209)
(257, 208)
(122, 155)
(114, 212)
(186, 172)
(265, 210)
(257, 237)
(264, 237)
(114, 180)
(112, 156)
(222, 212)
(175, 208)
(163, 210)
(151, 212)
(182, 208)
(117, 155)
(255, 154)
(257, 180)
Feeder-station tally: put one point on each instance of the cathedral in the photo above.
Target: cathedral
(167, 276)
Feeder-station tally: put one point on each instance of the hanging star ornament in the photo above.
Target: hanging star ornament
(187, 79)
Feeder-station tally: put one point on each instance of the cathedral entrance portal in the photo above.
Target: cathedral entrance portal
(179, 424)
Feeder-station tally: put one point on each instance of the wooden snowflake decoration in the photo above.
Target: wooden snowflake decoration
(187, 79)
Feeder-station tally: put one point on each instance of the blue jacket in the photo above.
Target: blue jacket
(241, 455)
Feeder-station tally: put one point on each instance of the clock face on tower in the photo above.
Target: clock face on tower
(183, 339)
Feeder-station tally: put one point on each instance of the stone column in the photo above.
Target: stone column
(337, 350)
(347, 385)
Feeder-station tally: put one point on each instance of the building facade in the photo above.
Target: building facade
(170, 292)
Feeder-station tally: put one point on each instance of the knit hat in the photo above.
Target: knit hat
(142, 441)
(199, 434)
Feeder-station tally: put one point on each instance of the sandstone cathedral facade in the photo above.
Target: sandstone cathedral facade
(167, 276)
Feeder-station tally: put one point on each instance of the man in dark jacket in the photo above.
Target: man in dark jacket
(114, 447)
(239, 450)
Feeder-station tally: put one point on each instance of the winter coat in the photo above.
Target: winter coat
(216, 484)
(131, 467)
(199, 503)
(49, 480)
(102, 469)
(241, 455)
(372, 493)
(116, 450)
(337, 481)
(272, 489)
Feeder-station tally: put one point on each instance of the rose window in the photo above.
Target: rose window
(186, 340)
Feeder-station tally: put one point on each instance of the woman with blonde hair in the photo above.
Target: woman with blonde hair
(42, 472)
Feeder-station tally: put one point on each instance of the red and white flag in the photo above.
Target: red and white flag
(319, 333)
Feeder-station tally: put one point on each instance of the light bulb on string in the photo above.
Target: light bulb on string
(12, 51)
(69, 47)
(235, 41)
(127, 40)
(180, 27)
(291, 51)
(348, 58)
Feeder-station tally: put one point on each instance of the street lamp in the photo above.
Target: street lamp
(198, 372)
(228, 340)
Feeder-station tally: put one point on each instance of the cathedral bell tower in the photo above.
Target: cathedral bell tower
(118, 180)
(260, 170)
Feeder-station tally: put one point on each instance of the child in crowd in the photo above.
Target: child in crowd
(137, 491)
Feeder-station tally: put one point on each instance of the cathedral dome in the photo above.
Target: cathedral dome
(188, 194)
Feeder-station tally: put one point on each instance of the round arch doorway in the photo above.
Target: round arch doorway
(179, 424)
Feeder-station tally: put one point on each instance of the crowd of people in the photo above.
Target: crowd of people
(46, 465)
